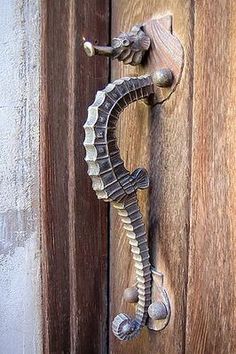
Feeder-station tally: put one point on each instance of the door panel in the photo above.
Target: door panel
(212, 282)
(160, 141)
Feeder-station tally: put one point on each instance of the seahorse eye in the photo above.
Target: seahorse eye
(125, 42)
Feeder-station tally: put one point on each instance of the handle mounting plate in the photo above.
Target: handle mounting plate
(159, 295)
(165, 51)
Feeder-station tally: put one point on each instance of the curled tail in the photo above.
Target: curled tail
(123, 326)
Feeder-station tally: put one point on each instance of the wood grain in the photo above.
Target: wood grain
(74, 222)
(211, 324)
(160, 143)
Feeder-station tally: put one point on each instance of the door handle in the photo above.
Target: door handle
(113, 183)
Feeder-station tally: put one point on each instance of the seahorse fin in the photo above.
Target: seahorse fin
(140, 178)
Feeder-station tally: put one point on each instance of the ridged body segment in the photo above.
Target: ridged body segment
(113, 182)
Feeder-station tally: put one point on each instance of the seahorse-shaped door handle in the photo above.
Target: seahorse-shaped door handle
(113, 183)
(110, 179)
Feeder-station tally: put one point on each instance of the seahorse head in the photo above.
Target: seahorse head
(130, 47)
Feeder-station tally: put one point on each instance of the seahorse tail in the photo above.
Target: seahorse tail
(123, 326)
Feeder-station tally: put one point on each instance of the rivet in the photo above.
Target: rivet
(157, 311)
(163, 77)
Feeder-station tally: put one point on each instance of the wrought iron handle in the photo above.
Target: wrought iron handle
(110, 179)
(113, 183)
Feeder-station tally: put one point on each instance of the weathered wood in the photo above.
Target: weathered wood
(211, 324)
(164, 140)
(74, 228)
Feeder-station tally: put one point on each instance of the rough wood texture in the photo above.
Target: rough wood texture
(211, 324)
(74, 229)
(164, 140)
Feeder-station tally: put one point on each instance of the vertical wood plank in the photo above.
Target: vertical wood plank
(54, 176)
(211, 316)
(74, 225)
(162, 144)
(92, 21)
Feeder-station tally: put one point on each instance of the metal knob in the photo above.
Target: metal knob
(157, 311)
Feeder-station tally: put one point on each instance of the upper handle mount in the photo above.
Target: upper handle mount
(128, 47)
(161, 57)
(151, 45)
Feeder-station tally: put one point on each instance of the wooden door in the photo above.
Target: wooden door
(188, 146)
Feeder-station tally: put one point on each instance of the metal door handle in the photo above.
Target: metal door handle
(113, 183)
